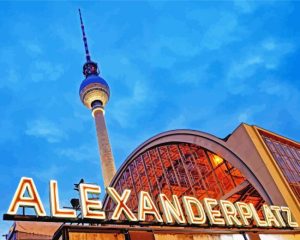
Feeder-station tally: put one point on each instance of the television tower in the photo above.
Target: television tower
(94, 94)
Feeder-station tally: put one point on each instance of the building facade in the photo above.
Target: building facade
(251, 165)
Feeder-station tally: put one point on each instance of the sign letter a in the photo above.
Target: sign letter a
(32, 199)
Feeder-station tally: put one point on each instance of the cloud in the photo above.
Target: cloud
(42, 128)
(123, 144)
(122, 109)
(164, 50)
(131, 89)
(246, 6)
(250, 6)
(178, 122)
(45, 71)
(276, 88)
(10, 69)
(266, 56)
(13, 76)
(48, 172)
(274, 50)
(8, 131)
(194, 74)
(285, 96)
(221, 32)
(70, 39)
(248, 115)
(83, 153)
(32, 48)
(215, 27)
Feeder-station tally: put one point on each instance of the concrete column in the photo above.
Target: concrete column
(106, 156)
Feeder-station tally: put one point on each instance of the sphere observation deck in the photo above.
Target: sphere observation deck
(94, 88)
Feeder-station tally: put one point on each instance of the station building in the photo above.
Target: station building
(250, 165)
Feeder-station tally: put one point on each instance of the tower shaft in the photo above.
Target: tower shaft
(106, 156)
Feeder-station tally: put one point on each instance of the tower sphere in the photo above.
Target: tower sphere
(94, 89)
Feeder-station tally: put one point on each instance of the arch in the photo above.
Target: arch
(199, 139)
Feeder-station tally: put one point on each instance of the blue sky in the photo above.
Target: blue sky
(200, 65)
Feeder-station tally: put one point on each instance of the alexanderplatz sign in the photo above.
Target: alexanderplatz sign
(192, 212)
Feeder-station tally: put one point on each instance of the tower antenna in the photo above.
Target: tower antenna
(87, 53)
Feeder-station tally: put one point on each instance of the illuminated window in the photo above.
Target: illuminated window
(287, 156)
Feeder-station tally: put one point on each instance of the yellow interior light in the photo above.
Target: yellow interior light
(217, 160)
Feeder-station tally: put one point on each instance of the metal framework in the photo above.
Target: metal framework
(183, 169)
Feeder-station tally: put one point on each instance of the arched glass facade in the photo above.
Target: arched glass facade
(183, 169)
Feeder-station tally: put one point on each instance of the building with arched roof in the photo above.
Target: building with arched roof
(251, 165)
(186, 162)
(244, 166)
